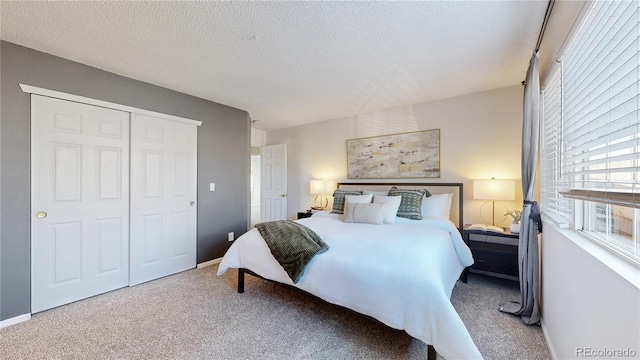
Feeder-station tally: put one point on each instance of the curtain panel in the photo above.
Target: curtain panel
(528, 254)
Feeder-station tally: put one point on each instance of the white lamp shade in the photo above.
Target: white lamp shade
(316, 187)
(330, 186)
(319, 187)
(494, 189)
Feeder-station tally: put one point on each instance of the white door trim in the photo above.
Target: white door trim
(85, 100)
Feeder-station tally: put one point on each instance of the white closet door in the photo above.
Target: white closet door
(163, 195)
(79, 201)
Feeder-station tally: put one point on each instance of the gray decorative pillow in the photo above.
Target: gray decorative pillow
(410, 203)
(338, 199)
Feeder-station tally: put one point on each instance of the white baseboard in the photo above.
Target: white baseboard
(15, 320)
(546, 338)
(209, 263)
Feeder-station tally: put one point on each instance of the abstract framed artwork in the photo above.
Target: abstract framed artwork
(398, 156)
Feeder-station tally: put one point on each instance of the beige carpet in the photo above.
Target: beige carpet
(198, 315)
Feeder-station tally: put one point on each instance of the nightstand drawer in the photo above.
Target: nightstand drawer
(492, 247)
(496, 262)
(494, 239)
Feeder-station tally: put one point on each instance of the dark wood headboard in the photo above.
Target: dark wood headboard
(456, 213)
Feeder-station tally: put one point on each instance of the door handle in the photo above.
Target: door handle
(192, 203)
(283, 195)
(41, 215)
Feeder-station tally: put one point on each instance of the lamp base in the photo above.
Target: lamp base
(320, 205)
(493, 212)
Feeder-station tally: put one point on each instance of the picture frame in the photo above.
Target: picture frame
(397, 156)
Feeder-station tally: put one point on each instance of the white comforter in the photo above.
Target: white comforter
(400, 274)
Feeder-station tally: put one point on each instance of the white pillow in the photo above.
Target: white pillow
(364, 213)
(358, 198)
(391, 206)
(436, 206)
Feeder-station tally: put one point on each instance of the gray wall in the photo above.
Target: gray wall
(223, 157)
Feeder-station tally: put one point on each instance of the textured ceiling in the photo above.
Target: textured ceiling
(290, 63)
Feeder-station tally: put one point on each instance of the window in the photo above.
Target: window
(552, 203)
(612, 225)
(590, 149)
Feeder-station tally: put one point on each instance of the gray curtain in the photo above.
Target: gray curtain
(528, 257)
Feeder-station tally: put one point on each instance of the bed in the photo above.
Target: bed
(401, 274)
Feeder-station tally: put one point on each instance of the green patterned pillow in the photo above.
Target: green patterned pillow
(411, 201)
(339, 197)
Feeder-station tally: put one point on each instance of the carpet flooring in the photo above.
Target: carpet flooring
(198, 315)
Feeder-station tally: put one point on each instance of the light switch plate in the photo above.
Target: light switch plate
(212, 186)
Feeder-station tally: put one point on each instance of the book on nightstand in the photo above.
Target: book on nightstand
(483, 227)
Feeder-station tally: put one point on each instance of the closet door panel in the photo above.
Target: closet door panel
(111, 245)
(66, 259)
(79, 201)
(163, 195)
(109, 173)
(151, 249)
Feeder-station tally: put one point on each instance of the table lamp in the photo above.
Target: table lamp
(319, 188)
(494, 190)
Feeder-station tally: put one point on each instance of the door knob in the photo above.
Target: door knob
(283, 195)
(192, 203)
(41, 215)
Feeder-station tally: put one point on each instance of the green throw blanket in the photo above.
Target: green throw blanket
(292, 245)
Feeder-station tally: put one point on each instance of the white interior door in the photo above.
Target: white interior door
(274, 182)
(163, 195)
(79, 201)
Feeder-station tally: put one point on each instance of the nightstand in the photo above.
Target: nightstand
(495, 254)
(304, 214)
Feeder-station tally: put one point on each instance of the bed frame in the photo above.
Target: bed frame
(456, 215)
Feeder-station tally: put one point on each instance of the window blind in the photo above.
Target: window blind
(600, 101)
(552, 204)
